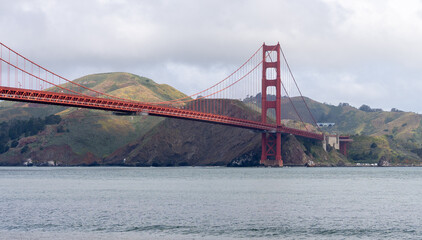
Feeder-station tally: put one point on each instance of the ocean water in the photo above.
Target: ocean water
(210, 203)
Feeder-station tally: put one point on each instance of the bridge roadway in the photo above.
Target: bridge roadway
(52, 98)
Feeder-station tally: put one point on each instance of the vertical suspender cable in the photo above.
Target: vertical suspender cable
(294, 80)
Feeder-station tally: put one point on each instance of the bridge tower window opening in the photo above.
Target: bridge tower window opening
(271, 55)
(271, 74)
(271, 98)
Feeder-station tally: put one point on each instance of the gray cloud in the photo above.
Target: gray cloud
(361, 52)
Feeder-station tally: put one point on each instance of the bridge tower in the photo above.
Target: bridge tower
(271, 142)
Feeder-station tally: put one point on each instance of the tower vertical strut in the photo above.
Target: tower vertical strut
(271, 141)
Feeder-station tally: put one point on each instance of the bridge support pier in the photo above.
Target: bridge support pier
(344, 142)
(343, 148)
(271, 150)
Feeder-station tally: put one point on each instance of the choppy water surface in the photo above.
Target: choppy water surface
(210, 203)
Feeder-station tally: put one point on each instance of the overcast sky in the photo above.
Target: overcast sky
(355, 51)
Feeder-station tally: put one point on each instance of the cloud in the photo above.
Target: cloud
(362, 52)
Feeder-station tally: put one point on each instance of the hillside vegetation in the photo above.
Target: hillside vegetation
(392, 136)
(85, 136)
(94, 137)
(379, 136)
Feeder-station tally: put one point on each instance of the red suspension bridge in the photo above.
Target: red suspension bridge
(263, 82)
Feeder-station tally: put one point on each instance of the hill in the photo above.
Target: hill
(85, 136)
(175, 142)
(387, 137)
(379, 136)
(93, 137)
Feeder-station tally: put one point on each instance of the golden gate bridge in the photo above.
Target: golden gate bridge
(266, 74)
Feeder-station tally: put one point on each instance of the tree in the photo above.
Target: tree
(3, 148)
(365, 108)
(396, 110)
(60, 129)
(25, 149)
(52, 119)
(14, 144)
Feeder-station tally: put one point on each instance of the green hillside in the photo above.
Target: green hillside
(91, 137)
(176, 142)
(397, 134)
(86, 134)
(129, 86)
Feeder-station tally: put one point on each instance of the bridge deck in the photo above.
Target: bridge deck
(53, 98)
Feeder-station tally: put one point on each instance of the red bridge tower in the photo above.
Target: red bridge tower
(271, 141)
